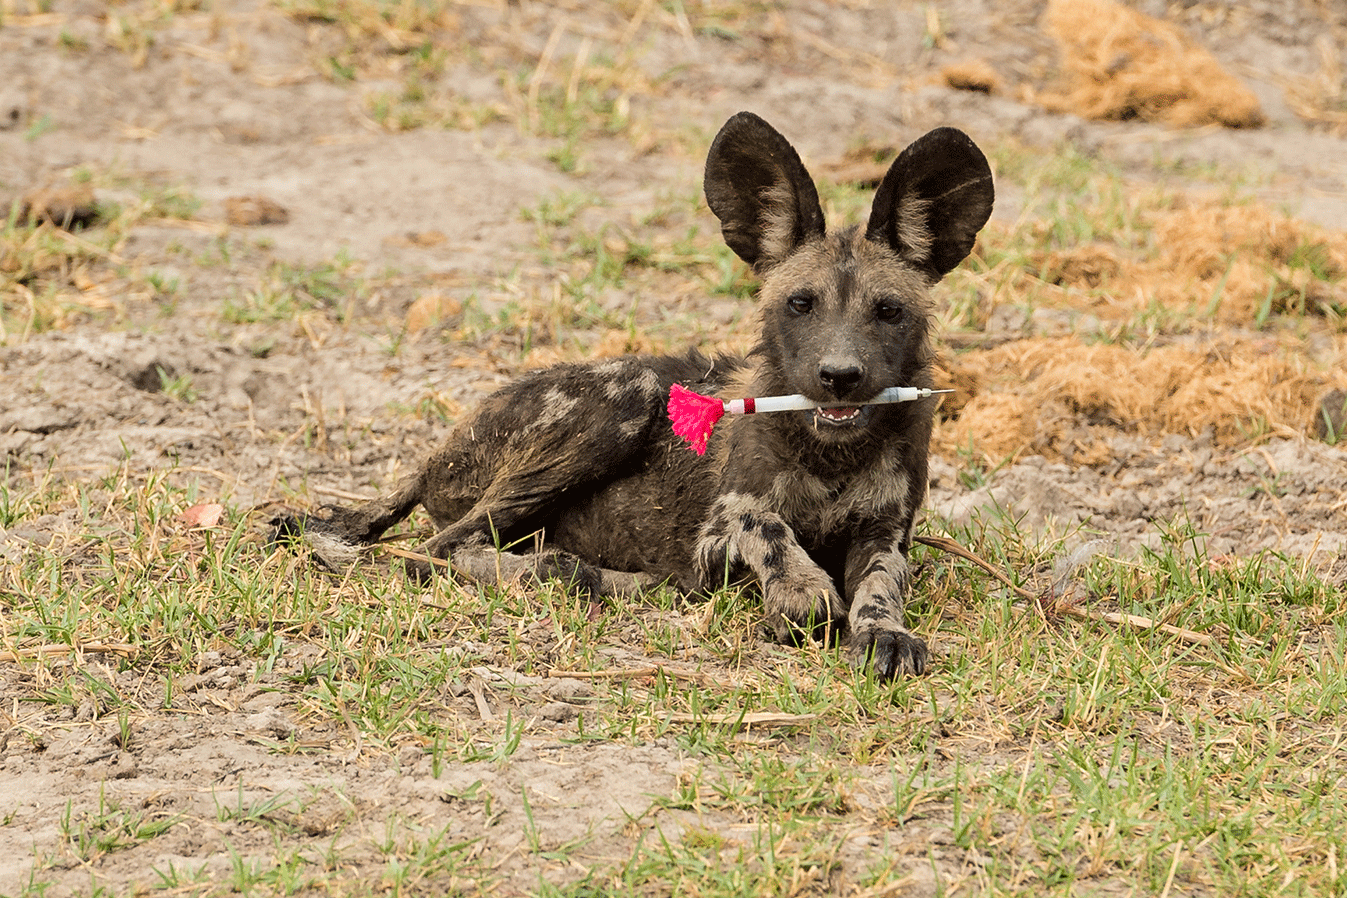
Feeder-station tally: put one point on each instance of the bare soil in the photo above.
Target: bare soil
(234, 99)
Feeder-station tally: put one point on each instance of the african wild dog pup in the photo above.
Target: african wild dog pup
(817, 507)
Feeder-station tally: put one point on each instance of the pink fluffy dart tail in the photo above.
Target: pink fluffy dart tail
(694, 415)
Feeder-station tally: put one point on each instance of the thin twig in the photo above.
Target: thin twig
(479, 697)
(88, 247)
(91, 648)
(751, 719)
(340, 493)
(1109, 617)
(415, 556)
(540, 73)
(356, 736)
(953, 548)
(631, 673)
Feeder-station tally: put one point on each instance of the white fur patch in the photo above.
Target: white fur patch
(779, 219)
(914, 234)
(631, 428)
(629, 378)
(808, 503)
(556, 407)
(611, 368)
(800, 498)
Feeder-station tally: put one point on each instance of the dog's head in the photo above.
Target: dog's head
(845, 314)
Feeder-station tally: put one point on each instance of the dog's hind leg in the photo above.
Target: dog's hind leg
(534, 448)
(487, 564)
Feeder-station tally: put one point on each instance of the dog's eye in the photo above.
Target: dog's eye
(800, 303)
(888, 311)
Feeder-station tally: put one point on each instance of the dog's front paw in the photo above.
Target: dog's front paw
(892, 653)
(802, 606)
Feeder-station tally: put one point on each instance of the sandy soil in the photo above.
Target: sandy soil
(231, 100)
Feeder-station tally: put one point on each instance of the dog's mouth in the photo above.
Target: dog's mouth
(842, 416)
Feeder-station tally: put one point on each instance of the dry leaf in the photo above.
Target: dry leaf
(205, 514)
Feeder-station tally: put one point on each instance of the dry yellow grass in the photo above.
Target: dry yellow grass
(972, 74)
(1061, 398)
(1118, 63)
(1234, 264)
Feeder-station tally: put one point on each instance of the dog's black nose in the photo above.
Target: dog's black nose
(839, 378)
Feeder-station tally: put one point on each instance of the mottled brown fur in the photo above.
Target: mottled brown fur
(816, 509)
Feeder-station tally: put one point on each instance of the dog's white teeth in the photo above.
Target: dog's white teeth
(839, 414)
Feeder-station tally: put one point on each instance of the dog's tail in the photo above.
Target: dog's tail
(336, 534)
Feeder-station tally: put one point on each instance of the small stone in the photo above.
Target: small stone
(254, 211)
(431, 309)
(972, 74)
(560, 712)
(271, 722)
(13, 108)
(124, 767)
(568, 689)
(64, 206)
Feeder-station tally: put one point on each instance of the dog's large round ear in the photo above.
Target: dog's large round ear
(933, 201)
(758, 188)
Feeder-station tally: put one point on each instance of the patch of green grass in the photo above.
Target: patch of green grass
(766, 859)
(421, 859)
(422, 100)
(52, 278)
(290, 292)
(88, 836)
(246, 810)
(1116, 765)
(599, 276)
(176, 386)
(1042, 749)
(38, 127)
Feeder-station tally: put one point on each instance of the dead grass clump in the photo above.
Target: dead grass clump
(377, 27)
(1322, 97)
(48, 278)
(67, 206)
(606, 345)
(254, 211)
(1232, 264)
(1091, 265)
(1058, 398)
(1120, 64)
(1251, 260)
(998, 425)
(431, 309)
(972, 74)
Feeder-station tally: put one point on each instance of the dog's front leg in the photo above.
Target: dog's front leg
(878, 577)
(743, 532)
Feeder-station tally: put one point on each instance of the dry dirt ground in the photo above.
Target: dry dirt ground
(441, 205)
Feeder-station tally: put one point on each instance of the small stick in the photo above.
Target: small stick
(1111, 617)
(631, 673)
(415, 556)
(46, 651)
(748, 720)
